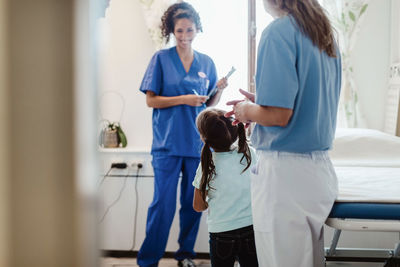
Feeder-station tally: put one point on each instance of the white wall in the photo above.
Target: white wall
(371, 62)
(118, 224)
(395, 32)
(125, 51)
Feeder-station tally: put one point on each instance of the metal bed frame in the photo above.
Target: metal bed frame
(378, 217)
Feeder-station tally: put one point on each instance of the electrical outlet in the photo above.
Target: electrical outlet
(139, 163)
(119, 165)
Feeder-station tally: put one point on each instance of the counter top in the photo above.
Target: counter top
(125, 150)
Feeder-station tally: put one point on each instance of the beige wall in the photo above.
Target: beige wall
(40, 202)
(40, 36)
(4, 139)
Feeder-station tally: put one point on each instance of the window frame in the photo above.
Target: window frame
(251, 36)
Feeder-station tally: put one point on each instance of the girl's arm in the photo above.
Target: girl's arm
(156, 101)
(198, 203)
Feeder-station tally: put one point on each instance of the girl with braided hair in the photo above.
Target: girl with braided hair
(222, 184)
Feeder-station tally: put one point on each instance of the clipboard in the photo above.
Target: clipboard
(214, 90)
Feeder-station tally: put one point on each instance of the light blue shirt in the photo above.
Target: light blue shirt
(174, 128)
(229, 203)
(293, 73)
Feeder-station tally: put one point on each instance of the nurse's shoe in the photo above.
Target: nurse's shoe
(186, 263)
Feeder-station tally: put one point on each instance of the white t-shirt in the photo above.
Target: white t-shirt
(229, 202)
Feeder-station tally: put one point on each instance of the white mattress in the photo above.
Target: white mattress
(368, 184)
(367, 163)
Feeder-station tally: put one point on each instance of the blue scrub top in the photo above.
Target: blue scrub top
(293, 73)
(174, 128)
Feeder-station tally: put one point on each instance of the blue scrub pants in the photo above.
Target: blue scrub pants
(162, 210)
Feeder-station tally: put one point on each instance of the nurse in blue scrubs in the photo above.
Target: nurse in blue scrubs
(176, 83)
(294, 185)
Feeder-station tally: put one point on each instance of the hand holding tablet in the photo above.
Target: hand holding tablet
(213, 91)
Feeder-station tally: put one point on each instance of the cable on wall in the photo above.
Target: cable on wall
(136, 208)
(105, 176)
(117, 199)
(123, 166)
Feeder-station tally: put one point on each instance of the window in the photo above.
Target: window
(226, 38)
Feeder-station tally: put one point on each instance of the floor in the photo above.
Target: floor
(131, 262)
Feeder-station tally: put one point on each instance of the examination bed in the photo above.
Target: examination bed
(367, 164)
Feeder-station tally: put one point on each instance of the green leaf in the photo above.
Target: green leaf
(363, 9)
(122, 137)
(147, 3)
(352, 16)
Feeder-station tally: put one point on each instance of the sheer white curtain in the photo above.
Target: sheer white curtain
(153, 11)
(347, 18)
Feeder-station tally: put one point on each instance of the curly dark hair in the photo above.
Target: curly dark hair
(178, 11)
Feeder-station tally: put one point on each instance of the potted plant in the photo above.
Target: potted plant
(112, 135)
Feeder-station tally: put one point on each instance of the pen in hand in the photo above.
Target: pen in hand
(202, 98)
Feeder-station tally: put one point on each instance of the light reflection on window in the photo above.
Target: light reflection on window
(224, 39)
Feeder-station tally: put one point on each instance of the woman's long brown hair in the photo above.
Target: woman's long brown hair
(312, 21)
(218, 133)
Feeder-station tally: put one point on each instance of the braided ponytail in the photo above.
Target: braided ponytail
(208, 170)
(243, 146)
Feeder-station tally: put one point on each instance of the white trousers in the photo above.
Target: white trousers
(292, 195)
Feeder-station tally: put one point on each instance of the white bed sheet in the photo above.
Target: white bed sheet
(368, 184)
(367, 163)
